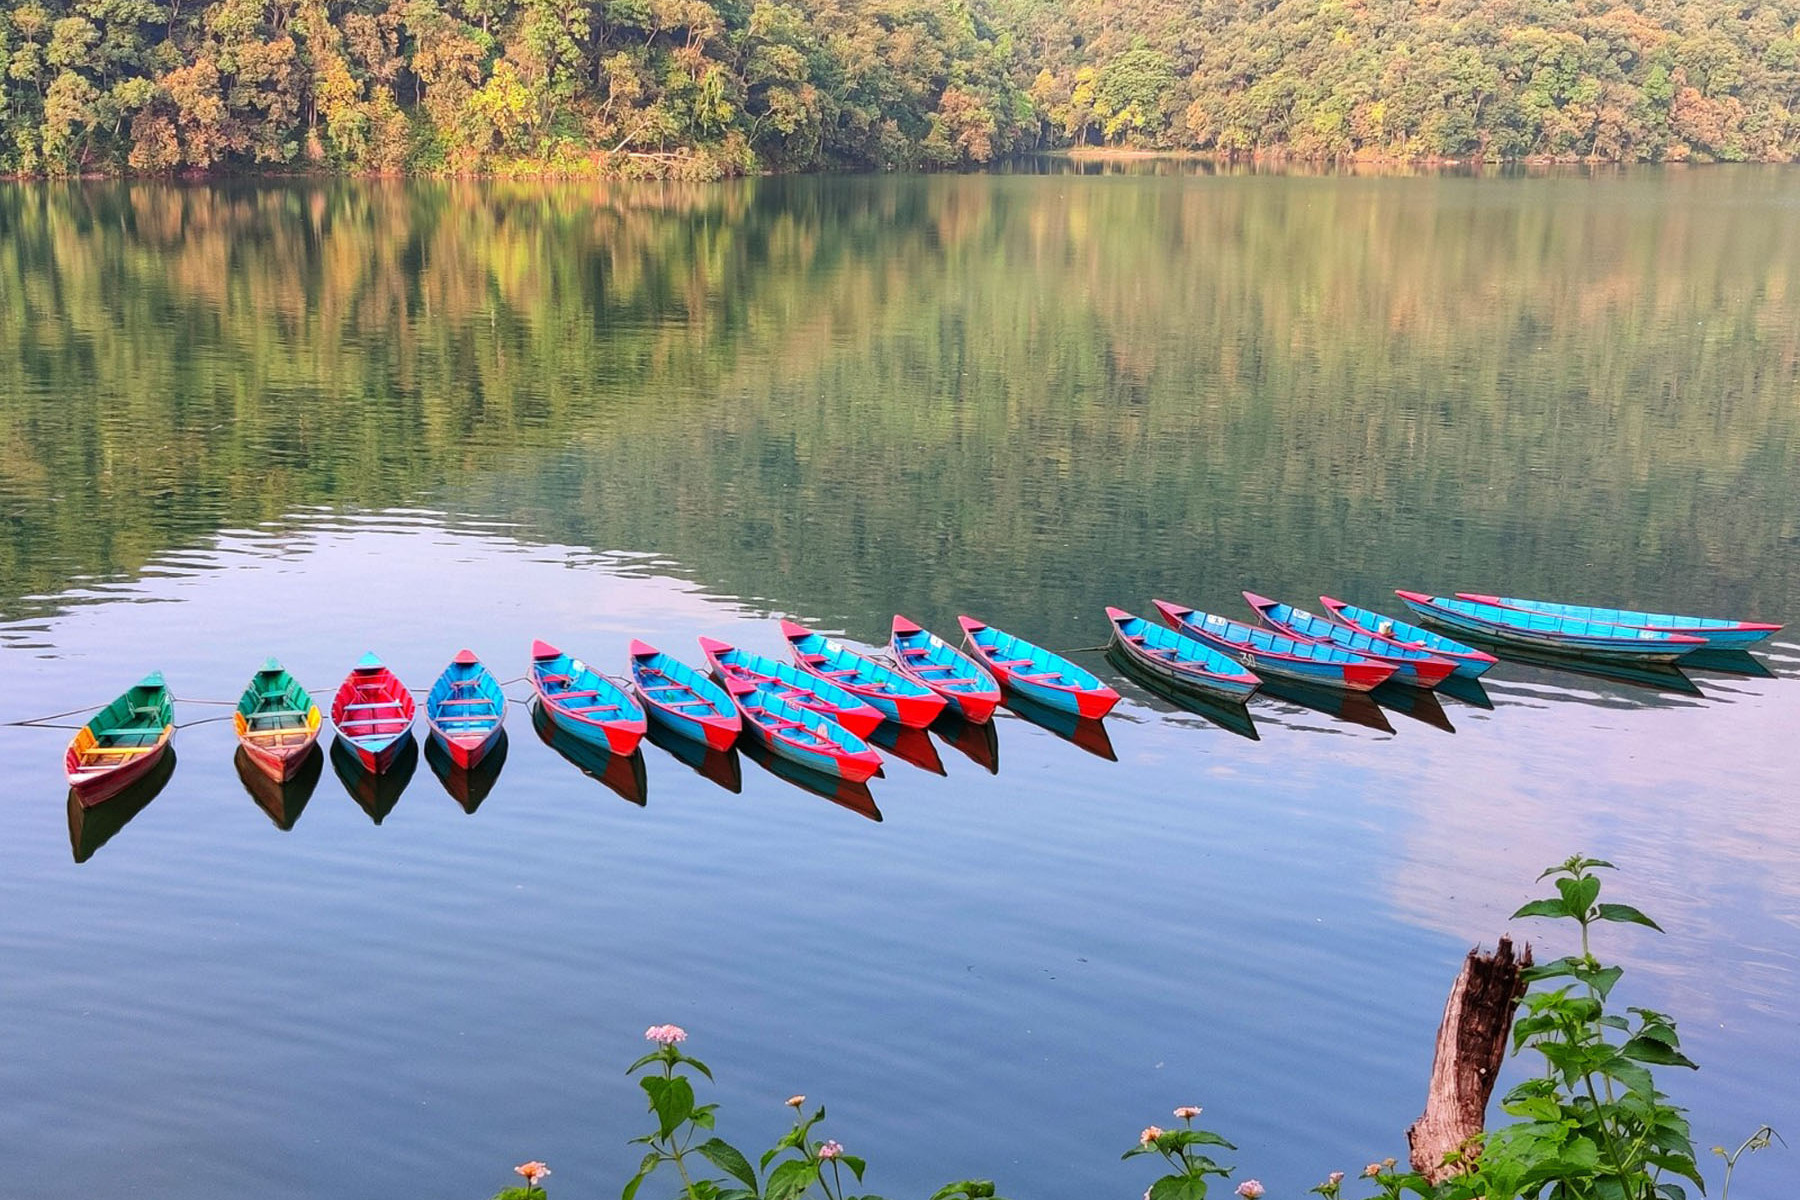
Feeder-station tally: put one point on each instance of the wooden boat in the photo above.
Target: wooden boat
(1191, 663)
(1413, 666)
(923, 657)
(898, 697)
(1542, 632)
(584, 703)
(468, 786)
(1233, 716)
(376, 792)
(282, 799)
(722, 767)
(1470, 662)
(802, 735)
(624, 774)
(789, 682)
(1035, 673)
(465, 710)
(92, 828)
(277, 722)
(1318, 664)
(682, 699)
(122, 742)
(1719, 633)
(373, 713)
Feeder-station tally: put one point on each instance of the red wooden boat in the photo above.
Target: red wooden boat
(373, 713)
(899, 697)
(791, 684)
(925, 658)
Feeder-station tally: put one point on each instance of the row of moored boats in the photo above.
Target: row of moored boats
(818, 710)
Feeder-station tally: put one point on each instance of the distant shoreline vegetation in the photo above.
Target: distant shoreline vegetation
(703, 89)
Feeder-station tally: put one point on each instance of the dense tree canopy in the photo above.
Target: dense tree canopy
(709, 87)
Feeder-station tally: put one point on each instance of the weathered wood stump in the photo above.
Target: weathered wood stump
(1471, 1045)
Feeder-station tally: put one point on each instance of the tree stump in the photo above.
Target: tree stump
(1471, 1045)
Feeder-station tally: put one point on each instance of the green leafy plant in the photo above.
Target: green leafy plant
(680, 1121)
(1182, 1150)
(1594, 1123)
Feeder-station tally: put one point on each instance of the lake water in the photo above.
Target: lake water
(319, 419)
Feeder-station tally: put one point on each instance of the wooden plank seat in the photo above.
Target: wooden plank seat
(137, 737)
(479, 722)
(666, 687)
(688, 703)
(1043, 677)
(587, 695)
(924, 667)
(593, 708)
(359, 722)
(373, 704)
(471, 700)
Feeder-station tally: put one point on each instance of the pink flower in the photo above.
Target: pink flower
(1150, 1135)
(668, 1035)
(1188, 1112)
(830, 1150)
(533, 1172)
(1335, 1178)
(1250, 1189)
(1372, 1170)
(795, 1101)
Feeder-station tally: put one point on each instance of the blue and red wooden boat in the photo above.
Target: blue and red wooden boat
(902, 700)
(923, 657)
(373, 713)
(121, 743)
(1178, 659)
(791, 684)
(682, 699)
(802, 735)
(1470, 662)
(1719, 633)
(1320, 664)
(1548, 632)
(464, 710)
(1412, 666)
(1035, 673)
(583, 703)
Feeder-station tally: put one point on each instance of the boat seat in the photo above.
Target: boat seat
(935, 667)
(471, 700)
(594, 708)
(587, 695)
(841, 672)
(1043, 677)
(489, 722)
(664, 687)
(689, 703)
(1013, 662)
(374, 704)
(359, 722)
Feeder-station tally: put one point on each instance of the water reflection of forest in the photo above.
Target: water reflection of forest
(870, 394)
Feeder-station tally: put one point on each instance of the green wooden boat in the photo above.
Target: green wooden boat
(122, 743)
(277, 722)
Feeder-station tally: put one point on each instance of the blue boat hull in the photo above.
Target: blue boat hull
(1544, 643)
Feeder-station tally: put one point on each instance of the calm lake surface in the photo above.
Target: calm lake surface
(320, 419)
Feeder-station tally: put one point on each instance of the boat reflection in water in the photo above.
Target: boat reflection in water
(284, 801)
(92, 828)
(722, 767)
(623, 773)
(1728, 662)
(375, 793)
(854, 796)
(1086, 732)
(1662, 677)
(1355, 708)
(1229, 716)
(978, 741)
(1469, 691)
(1421, 704)
(909, 745)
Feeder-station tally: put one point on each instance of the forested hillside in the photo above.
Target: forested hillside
(697, 88)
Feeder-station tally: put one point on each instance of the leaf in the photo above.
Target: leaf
(856, 1165)
(1656, 1052)
(729, 1159)
(672, 1099)
(649, 1164)
(791, 1178)
(1542, 908)
(1176, 1138)
(694, 1063)
(653, 1056)
(1178, 1187)
(1626, 913)
(1578, 894)
(966, 1189)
